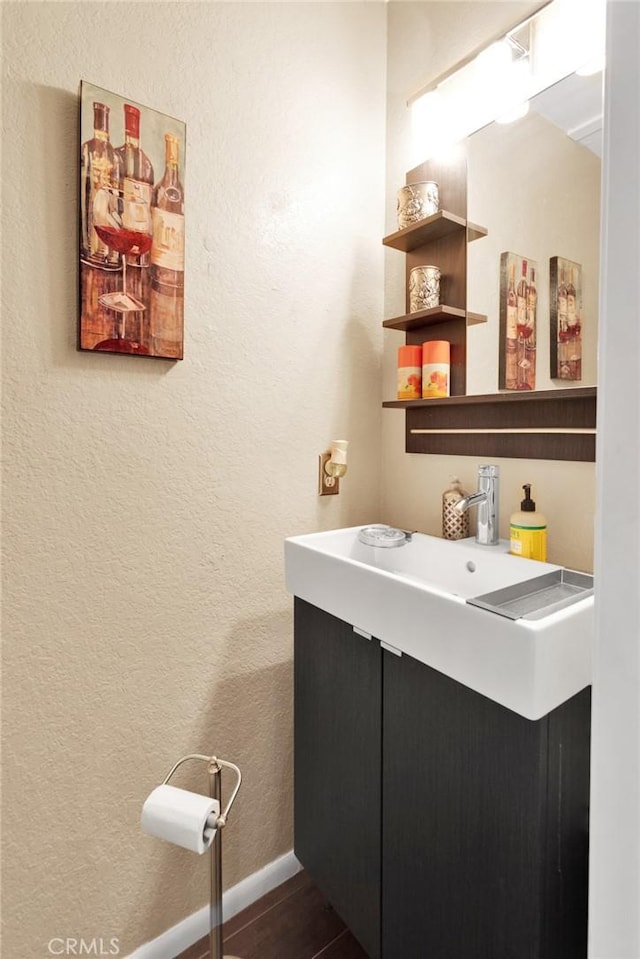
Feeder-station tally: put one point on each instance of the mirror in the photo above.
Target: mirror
(535, 185)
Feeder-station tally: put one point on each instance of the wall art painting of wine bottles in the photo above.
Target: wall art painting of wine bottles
(565, 311)
(518, 308)
(132, 236)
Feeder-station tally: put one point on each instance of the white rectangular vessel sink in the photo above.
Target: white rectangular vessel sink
(414, 598)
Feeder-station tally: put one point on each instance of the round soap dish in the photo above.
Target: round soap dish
(384, 536)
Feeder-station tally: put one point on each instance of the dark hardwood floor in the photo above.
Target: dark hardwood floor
(292, 921)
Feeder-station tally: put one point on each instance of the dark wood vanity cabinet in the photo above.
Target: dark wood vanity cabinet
(439, 824)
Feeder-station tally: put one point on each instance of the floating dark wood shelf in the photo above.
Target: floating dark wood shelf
(543, 424)
(437, 314)
(433, 227)
(490, 399)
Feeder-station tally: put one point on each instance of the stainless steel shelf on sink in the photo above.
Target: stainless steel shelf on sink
(537, 597)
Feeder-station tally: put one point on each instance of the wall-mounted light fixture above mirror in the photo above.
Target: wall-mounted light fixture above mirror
(565, 36)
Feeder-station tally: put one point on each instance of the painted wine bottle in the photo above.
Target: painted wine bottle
(98, 169)
(167, 257)
(136, 179)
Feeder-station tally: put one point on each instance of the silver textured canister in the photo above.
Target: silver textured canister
(424, 288)
(417, 201)
(455, 525)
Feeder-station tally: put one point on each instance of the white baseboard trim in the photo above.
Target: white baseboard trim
(196, 926)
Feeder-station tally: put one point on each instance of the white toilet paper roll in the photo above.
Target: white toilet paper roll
(180, 817)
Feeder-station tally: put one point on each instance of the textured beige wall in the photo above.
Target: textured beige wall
(146, 502)
(425, 39)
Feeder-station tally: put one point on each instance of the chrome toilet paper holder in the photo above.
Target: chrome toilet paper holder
(214, 768)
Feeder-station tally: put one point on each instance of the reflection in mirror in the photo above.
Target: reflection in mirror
(535, 184)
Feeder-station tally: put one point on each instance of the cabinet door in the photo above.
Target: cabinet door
(464, 789)
(567, 850)
(337, 766)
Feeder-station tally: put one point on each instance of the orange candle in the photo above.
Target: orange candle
(409, 372)
(436, 361)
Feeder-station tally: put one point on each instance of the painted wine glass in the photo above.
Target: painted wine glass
(122, 220)
(525, 331)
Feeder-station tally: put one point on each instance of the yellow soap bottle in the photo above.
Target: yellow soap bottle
(528, 530)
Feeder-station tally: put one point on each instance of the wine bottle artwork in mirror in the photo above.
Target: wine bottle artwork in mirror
(132, 233)
(518, 305)
(565, 311)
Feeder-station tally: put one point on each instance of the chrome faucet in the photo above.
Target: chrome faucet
(486, 499)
